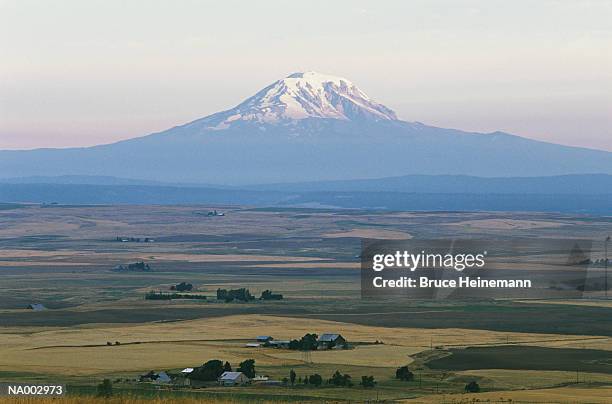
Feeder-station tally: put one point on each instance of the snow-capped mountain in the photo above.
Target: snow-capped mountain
(307, 127)
(300, 96)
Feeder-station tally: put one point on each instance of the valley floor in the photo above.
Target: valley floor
(97, 324)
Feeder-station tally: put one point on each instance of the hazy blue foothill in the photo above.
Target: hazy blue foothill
(310, 150)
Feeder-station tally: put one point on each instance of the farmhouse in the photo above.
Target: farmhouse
(233, 379)
(162, 378)
(264, 338)
(36, 307)
(328, 341)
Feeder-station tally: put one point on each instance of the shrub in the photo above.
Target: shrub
(316, 380)
(472, 387)
(403, 373)
(367, 382)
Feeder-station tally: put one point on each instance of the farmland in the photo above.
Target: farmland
(63, 257)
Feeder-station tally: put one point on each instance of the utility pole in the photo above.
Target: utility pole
(576, 376)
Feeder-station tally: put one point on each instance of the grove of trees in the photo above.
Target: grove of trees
(241, 294)
(209, 371)
(339, 379)
(307, 343)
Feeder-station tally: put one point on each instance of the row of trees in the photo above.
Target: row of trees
(241, 294)
(135, 266)
(244, 295)
(152, 295)
(337, 379)
(211, 370)
(309, 342)
(268, 295)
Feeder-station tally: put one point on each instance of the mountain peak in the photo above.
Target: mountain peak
(304, 95)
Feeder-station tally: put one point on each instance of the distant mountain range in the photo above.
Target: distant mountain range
(313, 127)
(593, 184)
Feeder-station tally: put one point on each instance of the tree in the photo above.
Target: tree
(221, 294)
(227, 367)
(403, 373)
(294, 344)
(472, 387)
(338, 379)
(105, 389)
(315, 380)
(367, 382)
(247, 367)
(209, 371)
(307, 343)
(292, 376)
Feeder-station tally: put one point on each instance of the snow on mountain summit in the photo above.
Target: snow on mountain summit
(304, 95)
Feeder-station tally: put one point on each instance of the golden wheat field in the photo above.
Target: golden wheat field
(312, 259)
(83, 350)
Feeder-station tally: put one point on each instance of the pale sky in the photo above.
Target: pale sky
(79, 73)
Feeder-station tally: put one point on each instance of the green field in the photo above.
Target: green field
(526, 357)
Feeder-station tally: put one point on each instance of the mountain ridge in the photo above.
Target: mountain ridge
(334, 136)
